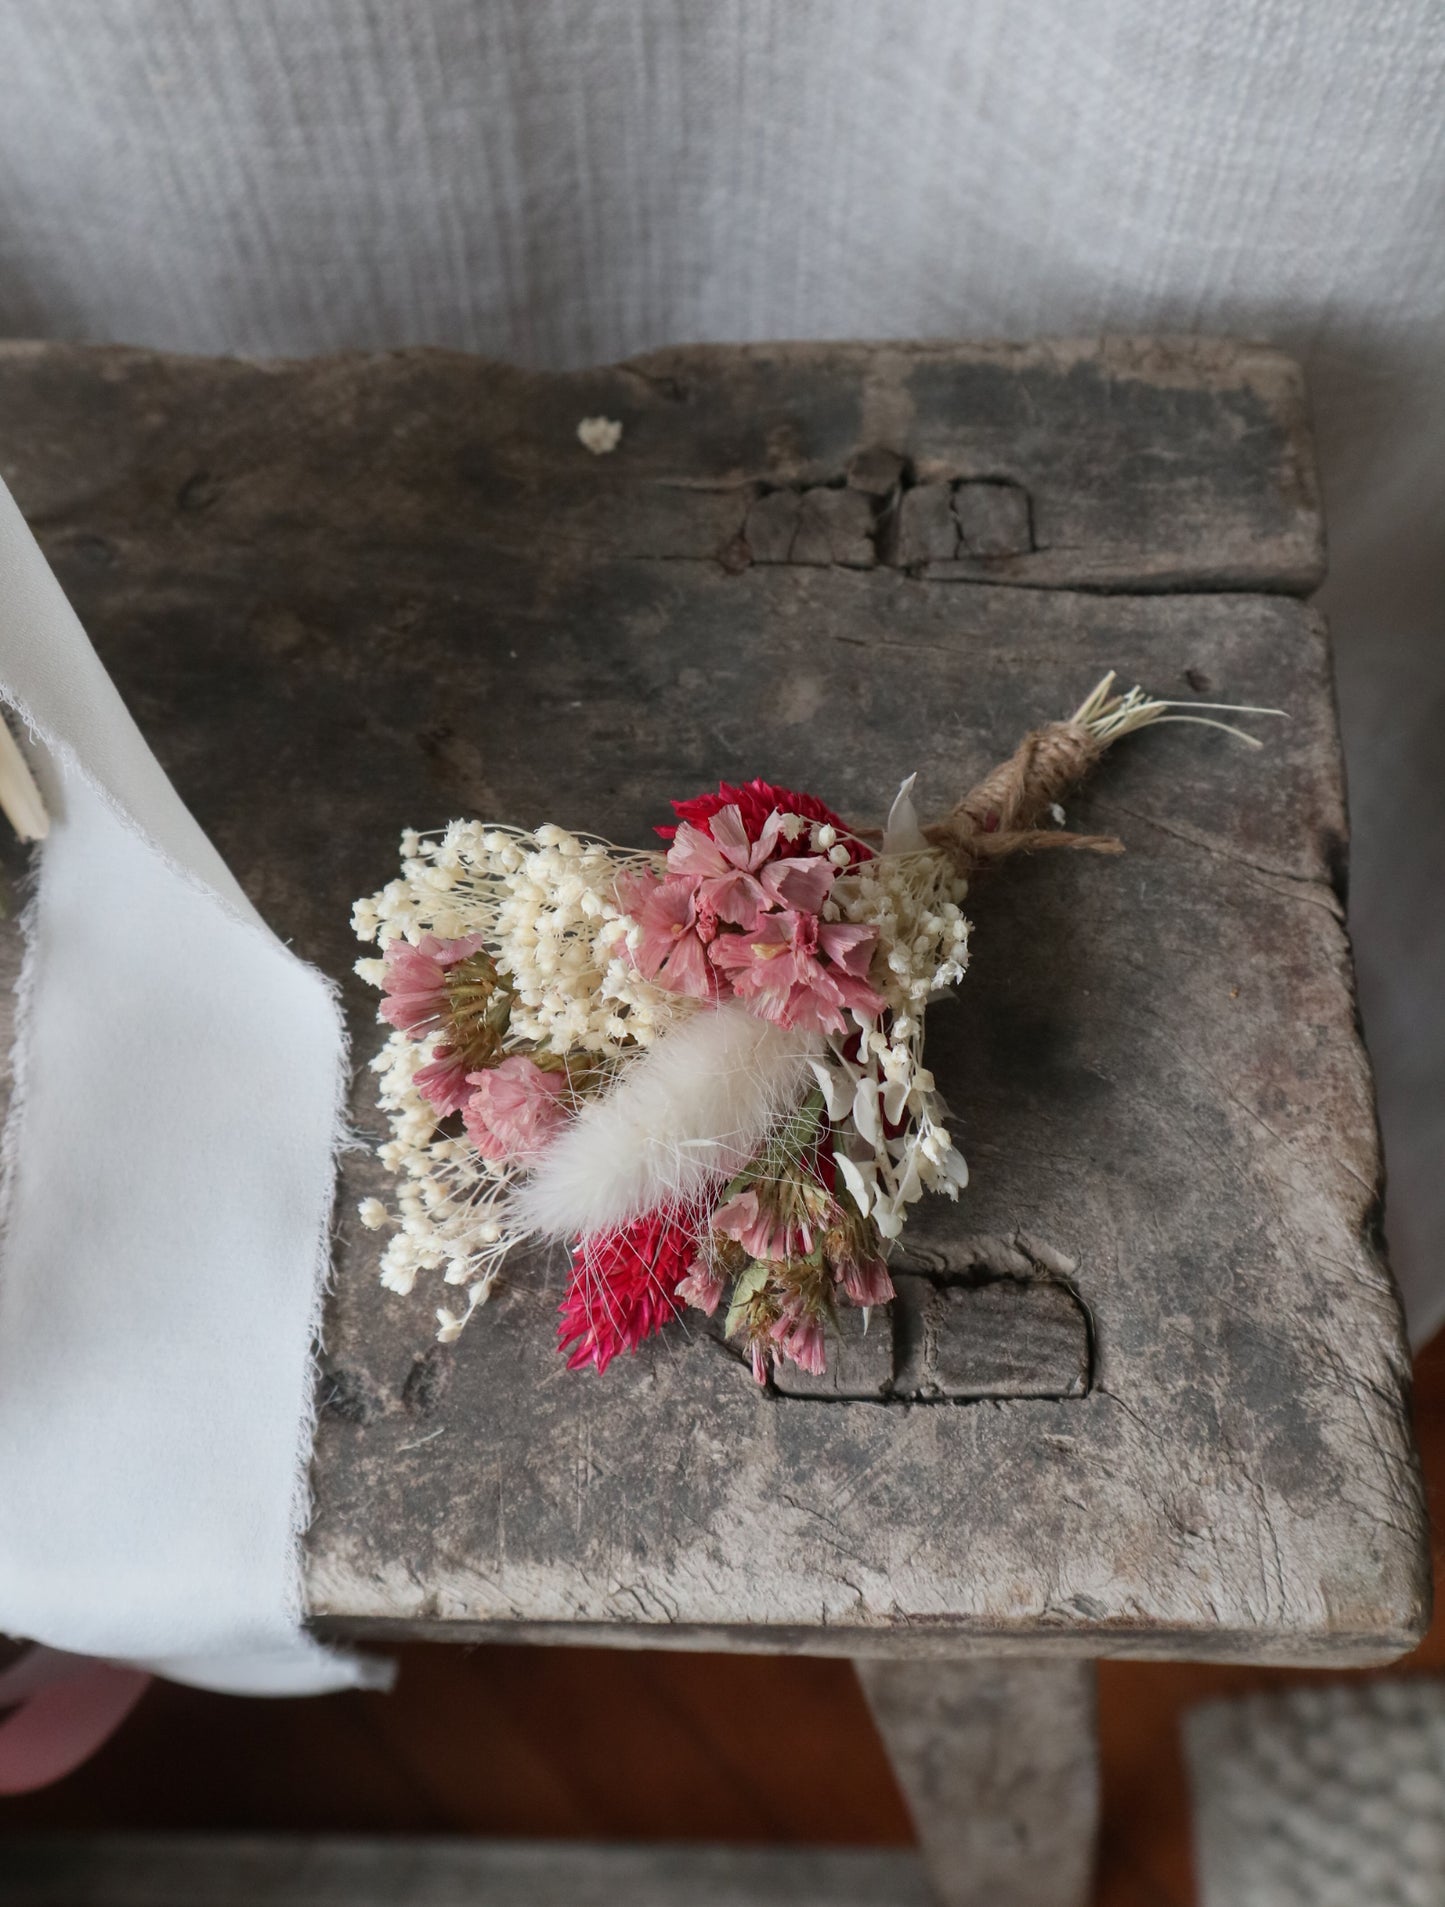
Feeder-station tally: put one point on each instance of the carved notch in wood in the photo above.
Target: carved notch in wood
(957, 1339)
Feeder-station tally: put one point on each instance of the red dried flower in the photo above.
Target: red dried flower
(756, 800)
(624, 1287)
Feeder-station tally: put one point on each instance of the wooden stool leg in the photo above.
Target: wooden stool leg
(999, 1763)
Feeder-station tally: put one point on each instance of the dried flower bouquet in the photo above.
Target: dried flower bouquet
(701, 1066)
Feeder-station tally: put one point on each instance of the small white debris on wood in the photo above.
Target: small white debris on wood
(599, 434)
(1056, 814)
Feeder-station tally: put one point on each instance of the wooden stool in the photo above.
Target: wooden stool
(1144, 1390)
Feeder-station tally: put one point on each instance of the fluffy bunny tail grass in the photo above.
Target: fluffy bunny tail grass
(692, 1110)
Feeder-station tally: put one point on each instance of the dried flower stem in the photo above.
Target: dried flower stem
(1001, 815)
(19, 796)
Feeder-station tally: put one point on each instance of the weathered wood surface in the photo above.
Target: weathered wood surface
(1000, 1766)
(1137, 464)
(230, 1870)
(367, 592)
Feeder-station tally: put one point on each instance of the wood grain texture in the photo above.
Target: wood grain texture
(367, 592)
(332, 1871)
(1138, 464)
(1001, 1769)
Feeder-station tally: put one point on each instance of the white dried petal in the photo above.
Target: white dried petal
(860, 1181)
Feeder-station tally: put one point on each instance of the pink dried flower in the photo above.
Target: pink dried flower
(703, 1287)
(801, 881)
(800, 1337)
(762, 1362)
(853, 1252)
(515, 1109)
(801, 971)
(865, 1280)
(755, 801)
(672, 948)
(415, 982)
(446, 1080)
(761, 1229)
(721, 865)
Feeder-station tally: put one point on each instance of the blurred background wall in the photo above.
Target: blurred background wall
(570, 181)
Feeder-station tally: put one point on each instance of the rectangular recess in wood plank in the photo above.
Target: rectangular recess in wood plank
(1118, 464)
(372, 570)
(1006, 1337)
(950, 1341)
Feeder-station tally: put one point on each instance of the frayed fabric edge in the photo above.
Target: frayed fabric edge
(15, 1114)
(367, 1671)
(356, 1669)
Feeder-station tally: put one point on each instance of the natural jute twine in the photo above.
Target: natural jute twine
(1001, 815)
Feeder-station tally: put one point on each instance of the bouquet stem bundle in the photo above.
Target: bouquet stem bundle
(1002, 814)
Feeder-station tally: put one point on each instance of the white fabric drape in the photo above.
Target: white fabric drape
(565, 181)
(164, 1242)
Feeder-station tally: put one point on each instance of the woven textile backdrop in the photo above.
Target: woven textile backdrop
(565, 181)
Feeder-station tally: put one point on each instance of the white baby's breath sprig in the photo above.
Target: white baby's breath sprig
(545, 904)
(892, 1142)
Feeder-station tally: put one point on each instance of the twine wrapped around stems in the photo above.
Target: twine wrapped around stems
(1001, 814)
